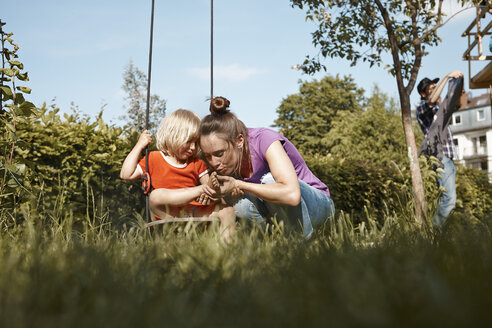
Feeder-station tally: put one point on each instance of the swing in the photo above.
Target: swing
(146, 180)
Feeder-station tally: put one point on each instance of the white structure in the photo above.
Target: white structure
(472, 134)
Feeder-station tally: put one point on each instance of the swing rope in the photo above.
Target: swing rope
(211, 49)
(146, 185)
(146, 177)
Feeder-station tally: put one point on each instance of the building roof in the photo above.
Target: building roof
(478, 101)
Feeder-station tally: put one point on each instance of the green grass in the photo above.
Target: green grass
(87, 273)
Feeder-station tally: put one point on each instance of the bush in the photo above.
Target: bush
(358, 186)
(474, 192)
(76, 162)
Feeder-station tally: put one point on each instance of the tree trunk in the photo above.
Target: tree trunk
(417, 185)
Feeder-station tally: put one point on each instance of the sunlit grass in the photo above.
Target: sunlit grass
(86, 272)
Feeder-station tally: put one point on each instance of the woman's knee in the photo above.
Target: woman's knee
(320, 207)
(246, 209)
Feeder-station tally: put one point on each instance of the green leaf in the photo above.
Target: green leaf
(6, 92)
(23, 76)
(12, 183)
(24, 89)
(16, 168)
(7, 71)
(10, 127)
(27, 108)
(16, 63)
(19, 98)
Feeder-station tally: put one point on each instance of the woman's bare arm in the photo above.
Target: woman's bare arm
(286, 188)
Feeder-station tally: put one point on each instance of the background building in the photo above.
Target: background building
(472, 134)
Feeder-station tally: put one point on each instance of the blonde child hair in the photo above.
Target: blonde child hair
(176, 129)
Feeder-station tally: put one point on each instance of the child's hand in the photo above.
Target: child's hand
(208, 196)
(210, 192)
(203, 199)
(144, 140)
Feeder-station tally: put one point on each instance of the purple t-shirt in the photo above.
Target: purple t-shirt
(260, 139)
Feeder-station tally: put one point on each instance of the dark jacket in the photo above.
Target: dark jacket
(438, 131)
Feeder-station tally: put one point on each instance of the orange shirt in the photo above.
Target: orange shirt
(171, 176)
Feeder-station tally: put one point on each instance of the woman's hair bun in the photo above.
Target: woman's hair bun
(219, 105)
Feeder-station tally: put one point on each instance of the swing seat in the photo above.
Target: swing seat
(185, 219)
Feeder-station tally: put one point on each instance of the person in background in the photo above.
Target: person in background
(433, 116)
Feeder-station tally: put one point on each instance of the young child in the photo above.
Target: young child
(178, 177)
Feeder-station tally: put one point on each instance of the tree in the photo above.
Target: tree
(14, 110)
(135, 86)
(373, 134)
(365, 30)
(307, 116)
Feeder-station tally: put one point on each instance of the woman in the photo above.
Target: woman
(264, 166)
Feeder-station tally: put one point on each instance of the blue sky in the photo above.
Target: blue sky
(76, 51)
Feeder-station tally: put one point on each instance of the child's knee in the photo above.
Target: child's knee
(227, 213)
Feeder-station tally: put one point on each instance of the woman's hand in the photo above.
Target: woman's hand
(229, 186)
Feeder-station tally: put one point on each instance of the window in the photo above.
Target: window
(456, 148)
(456, 119)
(482, 145)
(479, 145)
(480, 115)
(484, 166)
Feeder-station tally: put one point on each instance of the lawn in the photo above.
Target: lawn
(89, 273)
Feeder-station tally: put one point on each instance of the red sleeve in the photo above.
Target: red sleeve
(141, 165)
(141, 162)
(201, 168)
